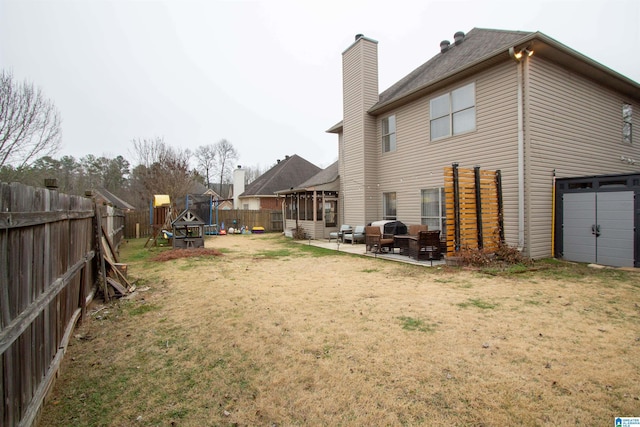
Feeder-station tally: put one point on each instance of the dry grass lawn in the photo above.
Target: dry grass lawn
(274, 332)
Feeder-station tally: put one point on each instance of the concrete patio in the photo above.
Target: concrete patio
(360, 249)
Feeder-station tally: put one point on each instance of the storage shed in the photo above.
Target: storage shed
(597, 219)
(188, 230)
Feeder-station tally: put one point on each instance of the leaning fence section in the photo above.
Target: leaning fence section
(473, 199)
(112, 220)
(47, 277)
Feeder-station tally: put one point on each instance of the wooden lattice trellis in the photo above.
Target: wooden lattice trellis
(474, 212)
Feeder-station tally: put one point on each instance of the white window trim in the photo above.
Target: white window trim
(384, 206)
(451, 113)
(392, 147)
(441, 208)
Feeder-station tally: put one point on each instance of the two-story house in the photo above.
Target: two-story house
(518, 102)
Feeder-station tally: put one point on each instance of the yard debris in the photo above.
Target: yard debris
(115, 273)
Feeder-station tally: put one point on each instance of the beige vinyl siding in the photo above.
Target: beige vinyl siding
(574, 127)
(360, 86)
(418, 163)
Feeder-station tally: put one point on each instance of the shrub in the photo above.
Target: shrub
(502, 256)
(299, 233)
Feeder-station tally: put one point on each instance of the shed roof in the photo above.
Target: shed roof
(112, 199)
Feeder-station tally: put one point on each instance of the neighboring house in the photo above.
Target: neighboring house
(287, 173)
(313, 205)
(520, 102)
(222, 203)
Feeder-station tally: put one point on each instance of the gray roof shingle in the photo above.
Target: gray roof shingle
(287, 173)
(477, 44)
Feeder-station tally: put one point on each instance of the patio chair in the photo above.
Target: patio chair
(338, 234)
(375, 239)
(354, 236)
(426, 246)
(415, 228)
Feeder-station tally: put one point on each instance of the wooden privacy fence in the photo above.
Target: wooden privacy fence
(136, 224)
(474, 211)
(271, 220)
(48, 276)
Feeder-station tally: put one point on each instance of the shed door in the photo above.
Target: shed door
(615, 218)
(599, 228)
(579, 215)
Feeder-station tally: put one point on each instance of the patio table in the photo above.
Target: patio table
(401, 241)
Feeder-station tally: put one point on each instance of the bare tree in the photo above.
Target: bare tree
(226, 154)
(29, 123)
(161, 169)
(149, 151)
(206, 156)
(252, 173)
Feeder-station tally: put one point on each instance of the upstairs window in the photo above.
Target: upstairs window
(453, 113)
(627, 134)
(389, 134)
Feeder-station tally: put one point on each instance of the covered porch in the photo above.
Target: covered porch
(316, 212)
(313, 206)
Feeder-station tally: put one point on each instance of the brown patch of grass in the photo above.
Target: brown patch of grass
(344, 340)
(186, 253)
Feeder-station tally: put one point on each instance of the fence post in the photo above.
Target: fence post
(500, 211)
(476, 174)
(456, 207)
(101, 265)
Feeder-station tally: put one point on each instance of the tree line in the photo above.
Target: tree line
(30, 135)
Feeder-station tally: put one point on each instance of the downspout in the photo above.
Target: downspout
(520, 159)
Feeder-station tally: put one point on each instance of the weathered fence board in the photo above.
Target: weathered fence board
(271, 220)
(47, 277)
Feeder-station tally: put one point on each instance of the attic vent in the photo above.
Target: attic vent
(359, 36)
(444, 46)
(458, 37)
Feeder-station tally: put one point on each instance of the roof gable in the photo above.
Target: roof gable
(287, 173)
(482, 47)
(187, 217)
(477, 44)
(325, 179)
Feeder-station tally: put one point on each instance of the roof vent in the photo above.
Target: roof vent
(359, 36)
(444, 46)
(458, 37)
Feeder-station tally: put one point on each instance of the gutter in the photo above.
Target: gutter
(520, 159)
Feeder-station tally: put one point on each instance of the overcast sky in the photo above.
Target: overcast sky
(265, 75)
